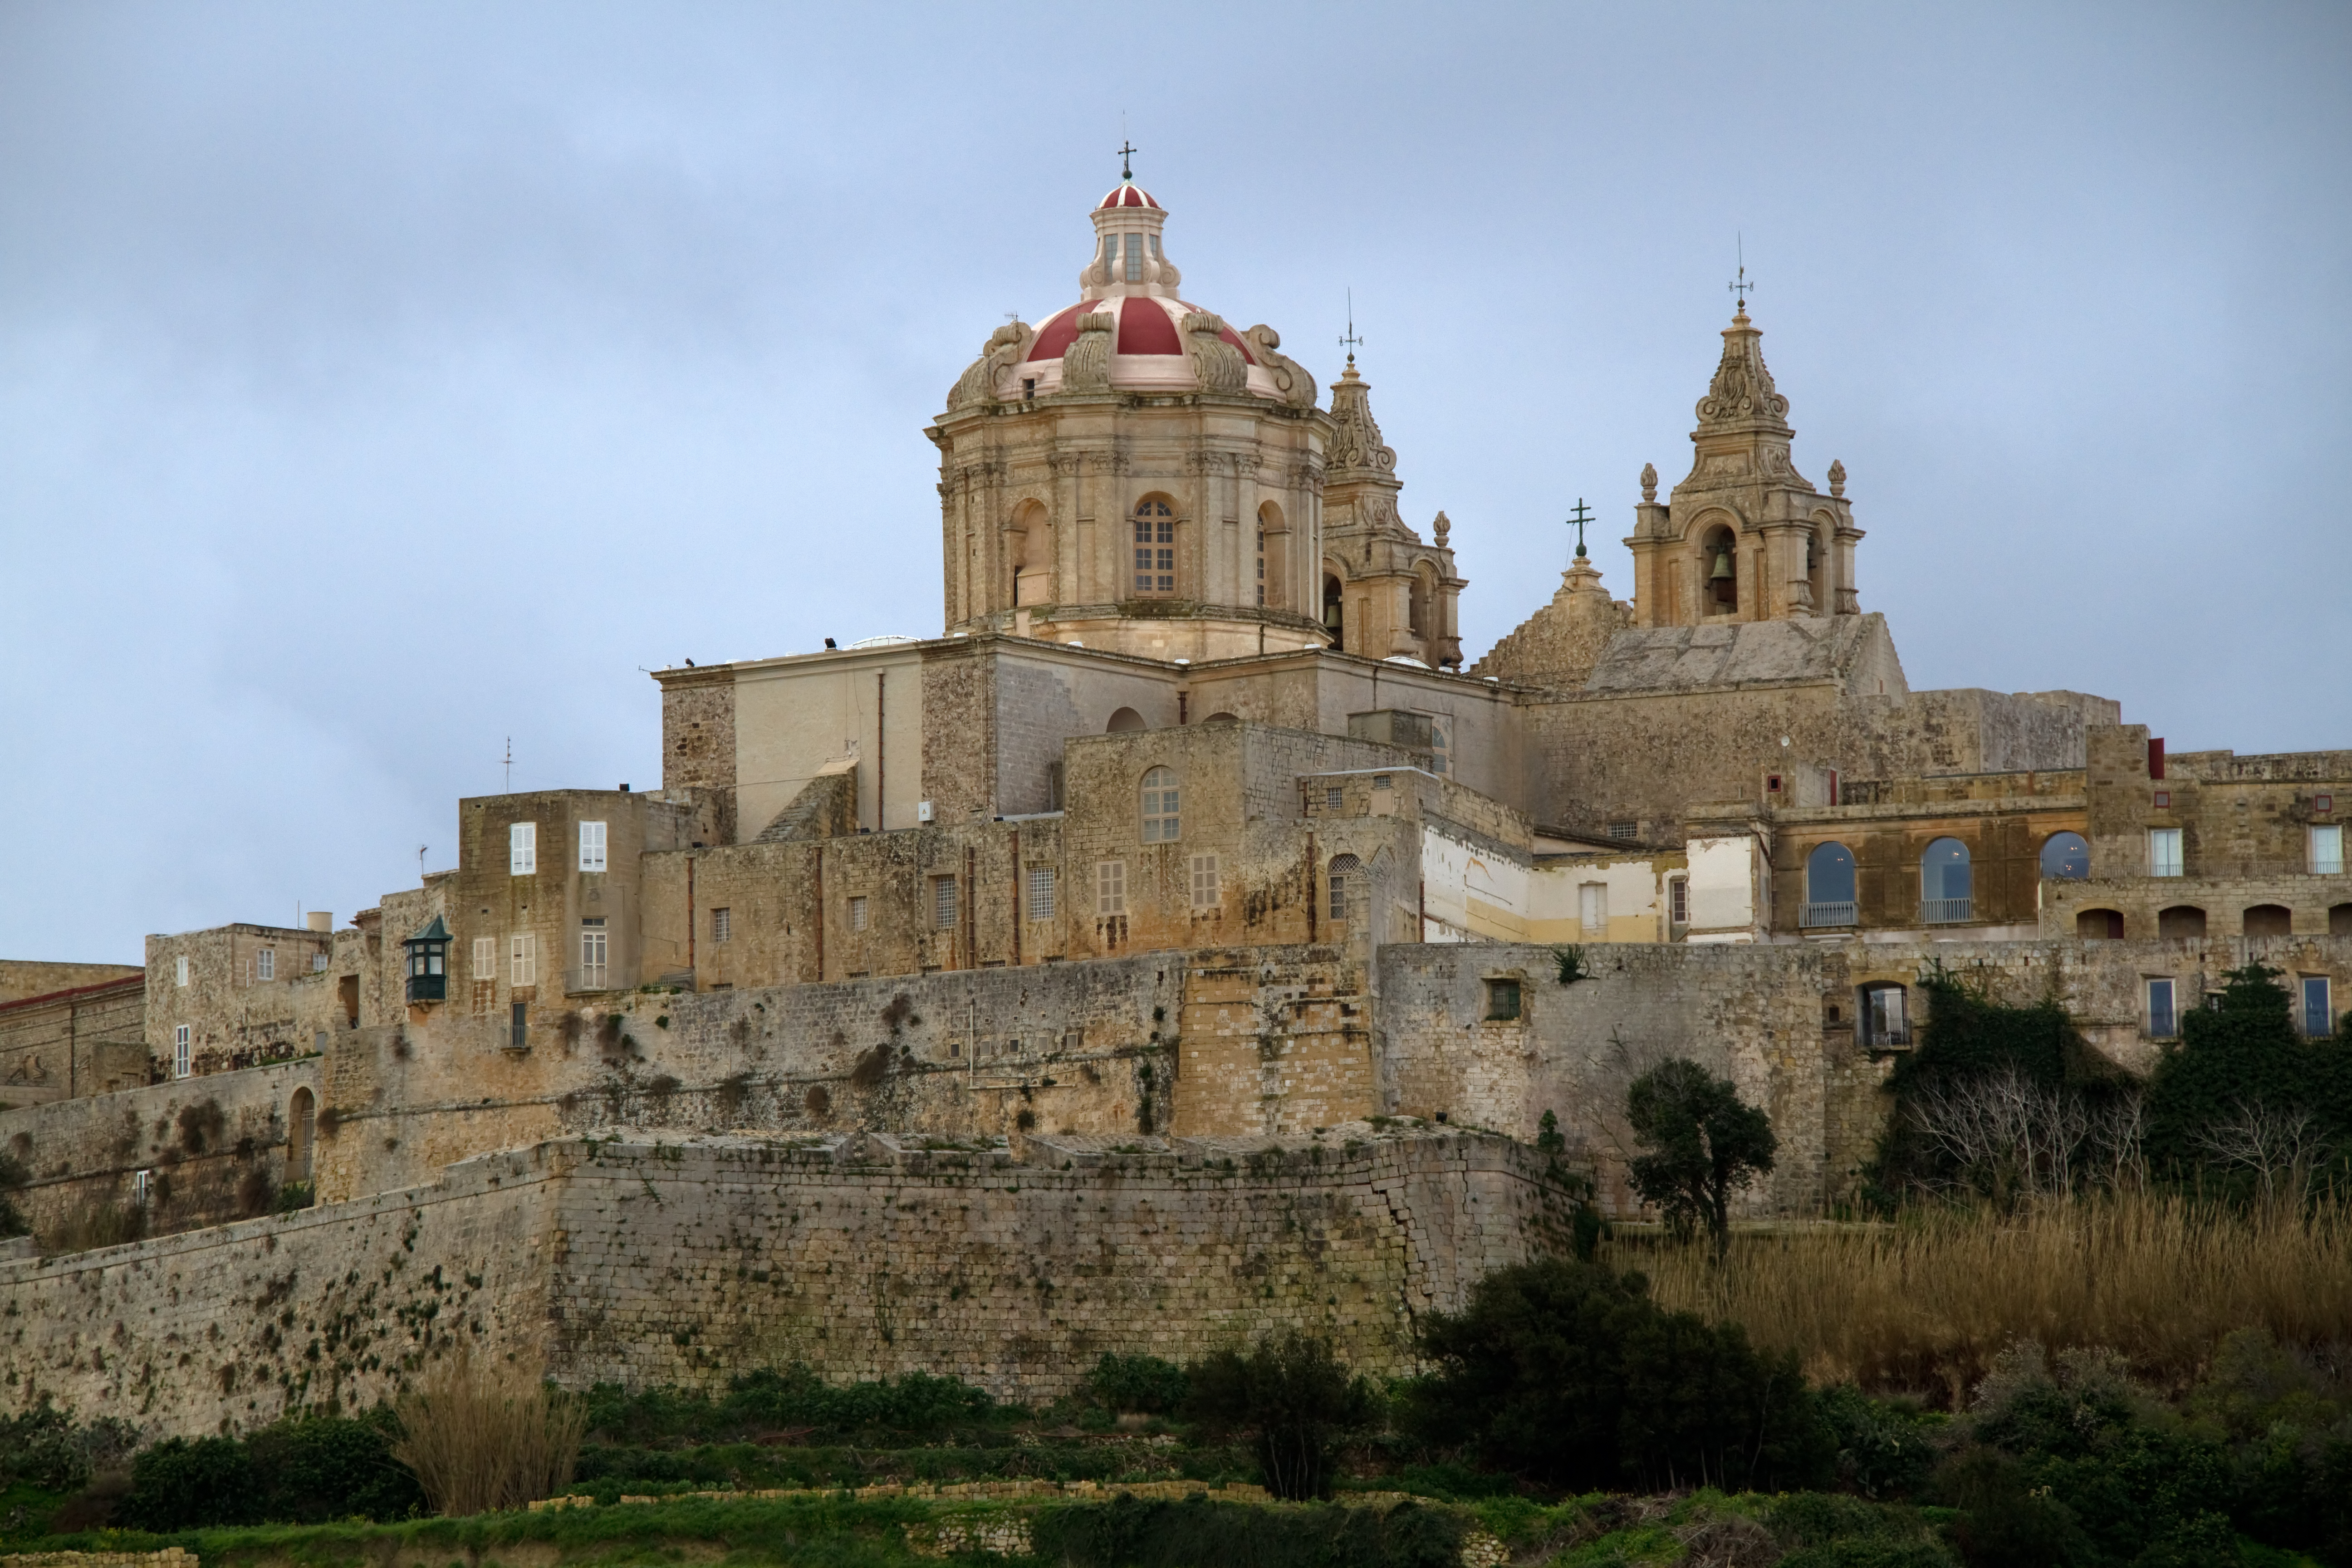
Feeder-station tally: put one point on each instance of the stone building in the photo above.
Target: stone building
(1185, 897)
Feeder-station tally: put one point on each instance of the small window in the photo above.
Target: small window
(1335, 798)
(522, 961)
(1135, 259)
(2318, 1008)
(1260, 568)
(522, 850)
(857, 912)
(181, 1052)
(1342, 876)
(722, 926)
(318, 963)
(592, 955)
(1161, 819)
(519, 1027)
(179, 969)
(2163, 1017)
(1592, 909)
(1381, 781)
(1155, 548)
(1205, 881)
(1885, 1016)
(1110, 887)
(142, 1186)
(486, 958)
(2065, 858)
(943, 904)
(1678, 900)
(1041, 892)
(1502, 1001)
(2328, 850)
(1626, 830)
(591, 847)
(2164, 852)
(264, 964)
(1440, 744)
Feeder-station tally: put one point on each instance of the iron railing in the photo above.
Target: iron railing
(1948, 912)
(1827, 915)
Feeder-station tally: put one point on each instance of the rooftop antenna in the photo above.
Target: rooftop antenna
(1741, 288)
(1583, 515)
(1351, 342)
(509, 788)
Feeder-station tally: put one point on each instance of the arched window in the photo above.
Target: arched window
(301, 1126)
(1160, 819)
(1029, 549)
(1273, 551)
(2099, 925)
(1126, 721)
(1828, 887)
(1946, 888)
(1333, 618)
(1422, 595)
(2180, 920)
(1344, 872)
(2065, 858)
(1719, 568)
(2270, 919)
(1155, 546)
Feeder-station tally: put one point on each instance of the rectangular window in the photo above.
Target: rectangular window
(180, 967)
(1885, 1016)
(722, 926)
(486, 958)
(141, 1183)
(522, 961)
(1678, 900)
(1592, 909)
(318, 963)
(2318, 1008)
(519, 1037)
(522, 850)
(943, 904)
(1110, 256)
(180, 1051)
(1041, 892)
(1626, 830)
(1335, 798)
(1135, 259)
(857, 912)
(1440, 744)
(1205, 881)
(2164, 852)
(591, 847)
(592, 955)
(2163, 1017)
(2328, 850)
(265, 965)
(1261, 566)
(1110, 887)
(1502, 1000)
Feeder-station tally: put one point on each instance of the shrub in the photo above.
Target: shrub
(1132, 1532)
(1883, 1449)
(93, 1225)
(764, 1402)
(1704, 1145)
(1570, 1375)
(1292, 1399)
(183, 1484)
(43, 1447)
(306, 1470)
(484, 1436)
(1140, 1384)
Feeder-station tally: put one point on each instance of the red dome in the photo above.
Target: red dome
(1145, 327)
(1129, 195)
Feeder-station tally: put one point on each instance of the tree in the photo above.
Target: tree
(1704, 1144)
(1294, 1400)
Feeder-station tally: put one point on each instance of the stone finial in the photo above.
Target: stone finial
(1837, 478)
(1649, 481)
(1441, 528)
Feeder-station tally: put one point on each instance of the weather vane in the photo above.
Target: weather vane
(1583, 515)
(1351, 342)
(1741, 288)
(1127, 152)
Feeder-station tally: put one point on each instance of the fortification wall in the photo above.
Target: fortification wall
(637, 1260)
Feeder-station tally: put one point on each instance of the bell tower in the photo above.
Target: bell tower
(1744, 536)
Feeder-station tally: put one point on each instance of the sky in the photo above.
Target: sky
(383, 385)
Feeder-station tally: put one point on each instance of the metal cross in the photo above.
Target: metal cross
(1740, 288)
(1583, 515)
(1127, 159)
(1351, 342)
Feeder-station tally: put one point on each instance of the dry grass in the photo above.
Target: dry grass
(485, 1436)
(1926, 1305)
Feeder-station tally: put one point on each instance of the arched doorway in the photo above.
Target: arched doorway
(301, 1132)
(1828, 887)
(1946, 883)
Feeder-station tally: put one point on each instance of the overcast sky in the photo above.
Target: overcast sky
(381, 381)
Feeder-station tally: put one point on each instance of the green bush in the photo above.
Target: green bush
(1570, 1375)
(1885, 1449)
(1132, 1532)
(43, 1447)
(304, 1471)
(766, 1401)
(1293, 1401)
(1141, 1384)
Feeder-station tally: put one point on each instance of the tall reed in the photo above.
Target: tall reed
(1924, 1304)
(483, 1435)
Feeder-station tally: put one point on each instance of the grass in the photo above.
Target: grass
(1925, 1305)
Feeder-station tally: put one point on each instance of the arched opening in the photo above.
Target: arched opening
(2270, 919)
(1154, 525)
(1342, 878)
(1223, 718)
(1126, 721)
(1817, 565)
(1162, 823)
(1828, 887)
(1946, 883)
(2065, 858)
(2340, 920)
(1422, 603)
(1718, 570)
(302, 1132)
(1334, 617)
(1272, 558)
(2099, 925)
(2180, 920)
(1029, 549)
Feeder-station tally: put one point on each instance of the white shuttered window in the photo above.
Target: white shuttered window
(522, 850)
(523, 966)
(591, 847)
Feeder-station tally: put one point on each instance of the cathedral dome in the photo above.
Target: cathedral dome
(1129, 195)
